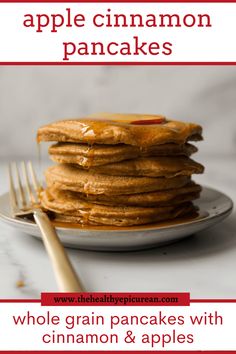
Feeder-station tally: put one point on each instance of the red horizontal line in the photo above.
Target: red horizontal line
(212, 300)
(191, 300)
(20, 300)
(118, 1)
(120, 63)
(118, 351)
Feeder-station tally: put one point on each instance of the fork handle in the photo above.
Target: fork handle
(65, 274)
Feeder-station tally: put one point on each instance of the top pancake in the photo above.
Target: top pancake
(131, 129)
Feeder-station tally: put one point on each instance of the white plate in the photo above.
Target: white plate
(213, 205)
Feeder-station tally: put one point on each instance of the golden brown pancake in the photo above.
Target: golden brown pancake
(68, 208)
(69, 177)
(97, 155)
(151, 167)
(131, 129)
(160, 198)
(168, 197)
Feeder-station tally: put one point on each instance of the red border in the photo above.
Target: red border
(232, 63)
(191, 300)
(212, 300)
(118, 1)
(20, 300)
(118, 351)
(141, 63)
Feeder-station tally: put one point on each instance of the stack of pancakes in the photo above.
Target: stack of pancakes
(120, 170)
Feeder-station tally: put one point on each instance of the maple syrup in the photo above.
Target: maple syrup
(195, 216)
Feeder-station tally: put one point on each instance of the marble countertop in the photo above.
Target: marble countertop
(203, 264)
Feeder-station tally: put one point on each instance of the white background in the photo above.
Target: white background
(206, 337)
(189, 44)
(31, 96)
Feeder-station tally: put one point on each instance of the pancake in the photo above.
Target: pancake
(131, 129)
(97, 155)
(69, 177)
(151, 167)
(161, 198)
(68, 208)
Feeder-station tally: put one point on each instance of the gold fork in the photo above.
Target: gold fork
(25, 201)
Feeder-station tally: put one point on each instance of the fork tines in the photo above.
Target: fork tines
(24, 186)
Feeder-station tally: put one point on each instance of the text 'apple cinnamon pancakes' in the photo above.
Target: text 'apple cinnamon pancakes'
(120, 169)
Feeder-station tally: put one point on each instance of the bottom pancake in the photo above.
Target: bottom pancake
(67, 207)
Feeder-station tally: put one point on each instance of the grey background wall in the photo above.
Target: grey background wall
(33, 96)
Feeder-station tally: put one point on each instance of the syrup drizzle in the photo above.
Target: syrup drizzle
(194, 216)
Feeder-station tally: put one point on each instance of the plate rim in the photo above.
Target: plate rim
(18, 221)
